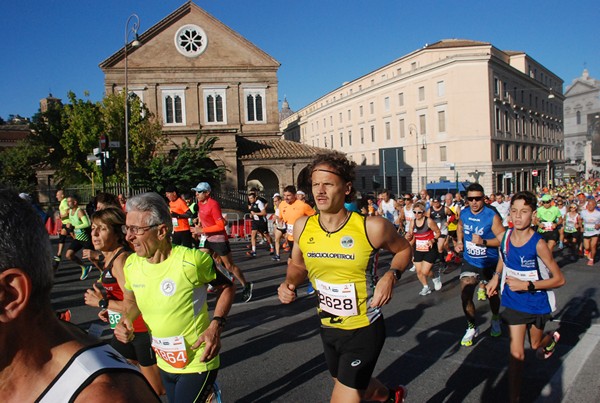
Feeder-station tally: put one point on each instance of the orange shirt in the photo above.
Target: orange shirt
(289, 213)
(180, 207)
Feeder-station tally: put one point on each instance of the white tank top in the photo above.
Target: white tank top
(409, 216)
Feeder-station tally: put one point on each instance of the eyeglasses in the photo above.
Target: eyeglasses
(546, 201)
(475, 198)
(417, 212)
(407, 198)
(136, 230)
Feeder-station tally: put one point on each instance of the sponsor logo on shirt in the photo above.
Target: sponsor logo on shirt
(347, 242)
(167, 287)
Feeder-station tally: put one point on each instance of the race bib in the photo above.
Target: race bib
(175, 222)
(422, 245)
(547, 226)
(569, 228)
(528, 275)
(337, 299)
(172, 350)
(290, 229)
(114, 318)
(474, 250)
(589, 228)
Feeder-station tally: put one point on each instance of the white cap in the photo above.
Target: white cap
(276, 195)
(301, 193)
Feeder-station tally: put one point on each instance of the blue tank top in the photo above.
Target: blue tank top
(523, 263)
(481, 224)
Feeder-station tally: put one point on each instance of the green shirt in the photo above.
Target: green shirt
(172, 298)
(63, 207)
(80, 225)
(547, 215)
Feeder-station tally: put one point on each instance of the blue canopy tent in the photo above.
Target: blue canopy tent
(439, 189)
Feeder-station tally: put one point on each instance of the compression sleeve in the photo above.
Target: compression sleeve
(85, 222)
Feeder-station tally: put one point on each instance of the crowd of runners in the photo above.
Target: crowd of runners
(160, 255)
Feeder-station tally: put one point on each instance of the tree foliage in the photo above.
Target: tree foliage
(185, 166)
(17, 167)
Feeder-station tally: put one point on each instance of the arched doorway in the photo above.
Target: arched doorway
(303, 181)
(264, 180)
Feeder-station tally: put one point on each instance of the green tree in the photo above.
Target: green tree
(145, 134)
(84, 122)
(185, 166)
(47, 130)
(18, 166)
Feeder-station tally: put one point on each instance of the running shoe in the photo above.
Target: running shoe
(495, 330)
(56, 258)
(543, 353)
(413, 268)
(247, 293)
(560, 246)
(271, 250)
(310, 289)
(398, 395)
(85, 272)
(251, 253)
(276, 258)
(425, 291)
(64, 315)
(481, 295)
(470, 334)
(449, 257)
(590, 262)
(210, 289)
(437, 283)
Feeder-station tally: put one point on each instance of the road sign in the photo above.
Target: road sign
(114, 144)
(103, 142)
(534, 172)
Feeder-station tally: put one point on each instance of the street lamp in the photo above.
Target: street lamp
(424, 147)
(133, 30)
(412, 127)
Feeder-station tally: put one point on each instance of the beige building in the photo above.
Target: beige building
(454, 109)
(582, 126)
(199, 76)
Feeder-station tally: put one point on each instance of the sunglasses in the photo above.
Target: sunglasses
(407, 198)
(475, 198)
(417, 212)
(547, 201)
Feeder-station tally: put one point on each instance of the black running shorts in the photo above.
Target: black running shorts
(351, 355)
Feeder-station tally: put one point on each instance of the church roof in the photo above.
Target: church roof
(455, 43)
(275, 149)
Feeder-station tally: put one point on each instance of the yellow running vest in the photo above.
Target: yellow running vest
(341, 266)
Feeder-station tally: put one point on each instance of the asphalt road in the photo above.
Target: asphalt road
(272, 352)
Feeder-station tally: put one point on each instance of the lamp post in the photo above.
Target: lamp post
(133, 30)
(424, 147)
(412, 127)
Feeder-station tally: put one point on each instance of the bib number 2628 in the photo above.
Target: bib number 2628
(337, 299)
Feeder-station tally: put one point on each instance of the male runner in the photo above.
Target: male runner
(480, 228)
(547, 218)
(180, 215)
(212, 235)
(336, 249)
(290, 209)
(387, 207)
(63, 209)
(45, 359)
(167, 284)
(258, 211)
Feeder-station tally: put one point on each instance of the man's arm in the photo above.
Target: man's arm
(382, 234)
(124, 329)
(459, 236)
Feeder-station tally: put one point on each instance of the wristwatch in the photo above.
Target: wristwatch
(397, 274)
(531, 287)
(220, 320)
(103, 303)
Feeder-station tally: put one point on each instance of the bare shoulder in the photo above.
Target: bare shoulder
(118, 387)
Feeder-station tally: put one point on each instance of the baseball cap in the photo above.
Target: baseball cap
(202, 187)
(276, 195)
(300, 193)
(546, 198)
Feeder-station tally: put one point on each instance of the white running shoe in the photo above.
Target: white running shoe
(426, 290)
(470, 334)
(437, 283)
(413, 268)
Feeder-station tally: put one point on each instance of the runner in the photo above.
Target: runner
(45, 359)
(455, 207)
(425, 233)
(65, 231)
(480, 228)
(387, 207)
(441, 214)
(180, 215)
(213, 238)
(79, 222)
(528, 274)
(258, 212)
(167, 284)
(547, 218)
(591, 229)
(107, 293)
(280, 228)
(290, 210)
(572, 230)
(336, 249)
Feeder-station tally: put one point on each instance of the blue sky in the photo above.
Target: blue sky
(56, 45)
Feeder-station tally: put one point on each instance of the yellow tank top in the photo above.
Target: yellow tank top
(453, 226)
(342, 268)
